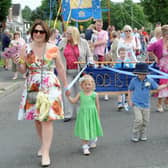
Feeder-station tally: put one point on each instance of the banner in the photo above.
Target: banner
(117, 80)
(81, 10)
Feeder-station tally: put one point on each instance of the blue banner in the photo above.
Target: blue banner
(117, 80)
(81, 10)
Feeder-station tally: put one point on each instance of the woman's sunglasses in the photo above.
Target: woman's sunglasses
(127, 30)
(39, 31)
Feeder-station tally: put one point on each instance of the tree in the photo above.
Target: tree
(46, 11)
(125, 13)
(4, 8)
(26, 13)
(156, 10)
(38, 13)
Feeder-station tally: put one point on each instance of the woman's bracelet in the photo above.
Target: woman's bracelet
(21, 61)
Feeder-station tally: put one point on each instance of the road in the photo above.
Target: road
(19, 142)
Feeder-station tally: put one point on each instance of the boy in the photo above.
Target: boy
(122, 62)
(139, 97)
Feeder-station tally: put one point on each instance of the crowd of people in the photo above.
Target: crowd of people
(46, 57)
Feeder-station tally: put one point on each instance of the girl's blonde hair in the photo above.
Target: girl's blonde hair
(75, 34)
(87, 78)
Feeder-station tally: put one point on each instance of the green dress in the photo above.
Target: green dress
(88, 125)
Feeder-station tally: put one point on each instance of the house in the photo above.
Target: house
(15, 21)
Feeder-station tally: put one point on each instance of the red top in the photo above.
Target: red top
(71, 54)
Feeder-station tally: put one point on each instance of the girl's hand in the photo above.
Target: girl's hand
(130, 103)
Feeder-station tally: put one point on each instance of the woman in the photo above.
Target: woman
(113, 51)
(73, 48)
(52, 38)
(128, 41)
(157, 35)
(17, 41)
(6, 38)
(159, 50)
(37, 58)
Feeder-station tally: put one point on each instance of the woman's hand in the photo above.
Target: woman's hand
(67, 93)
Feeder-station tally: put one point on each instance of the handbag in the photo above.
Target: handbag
(32, 95)
(43, 105)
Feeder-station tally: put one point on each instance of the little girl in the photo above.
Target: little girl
(87, 126)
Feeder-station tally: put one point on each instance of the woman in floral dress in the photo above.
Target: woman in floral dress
(38, 59)
(159, 51)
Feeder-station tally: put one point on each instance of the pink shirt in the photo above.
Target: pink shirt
(99, 50)
(71, 54)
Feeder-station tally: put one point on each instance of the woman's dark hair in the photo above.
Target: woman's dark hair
(16, 33)
(44, 26)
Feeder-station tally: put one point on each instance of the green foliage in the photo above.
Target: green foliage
(58, 25)
(26, 13)
(124, 13)
(43, 12)
(4, 8)
(38, 14)
(156, 10)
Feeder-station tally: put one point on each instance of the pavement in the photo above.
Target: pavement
(7, 84)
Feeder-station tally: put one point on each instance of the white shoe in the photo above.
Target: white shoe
(126, 107)
(86, 149)
(120, 106)
(92, 143)
(160, 109)
(135, 137)
(106, 97)
(86, 152)
(144, 138)
(166, 107)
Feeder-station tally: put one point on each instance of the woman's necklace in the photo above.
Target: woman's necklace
(38, 50)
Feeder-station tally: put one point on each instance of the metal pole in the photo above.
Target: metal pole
(108, 6)
(132, 15)
(50, 14)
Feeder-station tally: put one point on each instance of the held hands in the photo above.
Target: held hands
(67, 92)
(130, 103)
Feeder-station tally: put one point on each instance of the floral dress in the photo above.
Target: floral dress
(163, 65)
(50, 85)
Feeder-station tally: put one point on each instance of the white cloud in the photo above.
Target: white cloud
(33, 4)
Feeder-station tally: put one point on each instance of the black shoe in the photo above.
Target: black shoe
(5, 67)
(67, 119)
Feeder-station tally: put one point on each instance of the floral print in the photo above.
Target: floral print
(49, 84)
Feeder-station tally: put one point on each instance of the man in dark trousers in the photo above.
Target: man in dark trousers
(5, 44)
